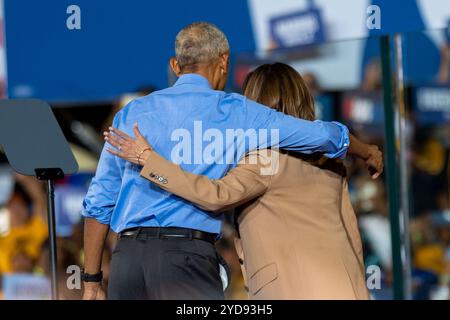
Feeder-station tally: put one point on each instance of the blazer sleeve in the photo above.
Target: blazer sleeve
(245, 182)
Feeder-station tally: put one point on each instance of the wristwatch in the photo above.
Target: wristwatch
(86, 277)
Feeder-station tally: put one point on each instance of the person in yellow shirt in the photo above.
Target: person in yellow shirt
(20, 246)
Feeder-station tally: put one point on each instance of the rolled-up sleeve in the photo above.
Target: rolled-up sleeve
(330, 138)
(103, 191)
(338, 138)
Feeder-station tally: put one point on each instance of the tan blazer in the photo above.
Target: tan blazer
(299, 237)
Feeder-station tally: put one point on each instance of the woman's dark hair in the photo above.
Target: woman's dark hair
(281, 87)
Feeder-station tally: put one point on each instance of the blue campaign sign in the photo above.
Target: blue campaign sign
(297, 29)
(120, 47)
(431, 104)
(25, 286)
(363, 111)
(68, 204)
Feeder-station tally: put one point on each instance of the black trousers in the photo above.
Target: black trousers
(165, 268)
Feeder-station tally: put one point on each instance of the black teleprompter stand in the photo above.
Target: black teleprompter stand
(35, 146)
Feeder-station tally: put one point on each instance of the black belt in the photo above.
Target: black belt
(167, 233)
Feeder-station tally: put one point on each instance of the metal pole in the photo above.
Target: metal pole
(52, 237)
(392, 169)
(404, 172)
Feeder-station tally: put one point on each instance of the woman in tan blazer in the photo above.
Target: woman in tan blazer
(298, 234)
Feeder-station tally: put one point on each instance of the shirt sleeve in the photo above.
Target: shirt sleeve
(102, 194)
(290, 133)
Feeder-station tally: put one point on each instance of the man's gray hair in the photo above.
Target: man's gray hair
(199, 42)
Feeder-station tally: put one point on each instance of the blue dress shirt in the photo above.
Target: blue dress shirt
(120, 197)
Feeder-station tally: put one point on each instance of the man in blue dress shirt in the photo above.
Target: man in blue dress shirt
(166, 244)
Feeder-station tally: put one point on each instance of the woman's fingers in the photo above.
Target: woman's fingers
(136, 131)
(121, 134)
(114, 140)
(114, 152)
(140, 139)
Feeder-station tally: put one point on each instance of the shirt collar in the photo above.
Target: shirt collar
(193, 79)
